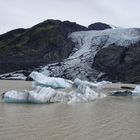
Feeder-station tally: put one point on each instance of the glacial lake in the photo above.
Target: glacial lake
(111, 118)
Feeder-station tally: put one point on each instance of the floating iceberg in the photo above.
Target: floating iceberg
(52, 90)
(53, 82)
(15, 97)
(136, 91)
(98, 85)
(44, 95)
(85, 94)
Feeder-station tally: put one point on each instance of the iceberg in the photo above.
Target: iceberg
(53, 82)
(53, 90)
(97, 85)
(42, 96)
(61, 97)
(88, 95)
(85, 93)
(49, 95)
(16, 97)
(136, 91)
(78, 98)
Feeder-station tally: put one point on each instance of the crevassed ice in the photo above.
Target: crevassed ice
(87, 44)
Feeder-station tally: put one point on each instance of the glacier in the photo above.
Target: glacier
(87, 44)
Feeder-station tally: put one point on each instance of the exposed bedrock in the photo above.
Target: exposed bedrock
(119, 63)
(44, 43)
(99, 26)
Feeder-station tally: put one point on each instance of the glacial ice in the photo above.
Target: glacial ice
(87, 44)
(136, 91)
(97, 85)
(54, 90)
(18, 75)
(44, 95)
(53, 82)
(58, 90)
(15, 97)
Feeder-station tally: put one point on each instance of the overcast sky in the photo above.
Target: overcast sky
(26, 13)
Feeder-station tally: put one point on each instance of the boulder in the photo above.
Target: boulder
(121, 93)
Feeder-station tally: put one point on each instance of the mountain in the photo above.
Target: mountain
(99, 26)
(119, 63)
(69, 50)
(44, 43)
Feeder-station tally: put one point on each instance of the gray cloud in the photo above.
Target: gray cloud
(26, 13)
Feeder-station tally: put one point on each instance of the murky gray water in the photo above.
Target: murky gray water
(112, 118)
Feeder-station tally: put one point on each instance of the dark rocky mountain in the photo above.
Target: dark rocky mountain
(4, 38)
(99, 26)
(119, 63)
(44, 43)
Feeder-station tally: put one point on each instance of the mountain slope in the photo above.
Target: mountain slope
(44, 43)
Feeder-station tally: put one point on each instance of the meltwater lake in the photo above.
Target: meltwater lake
(111, 118)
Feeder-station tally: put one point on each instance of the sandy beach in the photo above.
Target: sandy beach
(6, 85)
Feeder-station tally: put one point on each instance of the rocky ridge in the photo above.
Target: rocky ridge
(44, 43)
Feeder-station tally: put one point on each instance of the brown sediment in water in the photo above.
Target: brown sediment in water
(112, 118)
(108, 88)
(6, 85)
